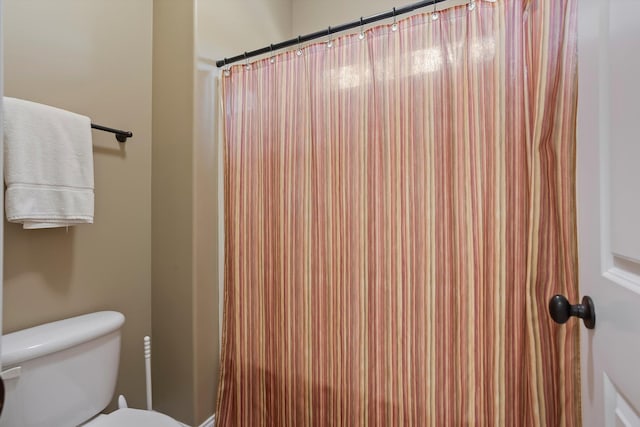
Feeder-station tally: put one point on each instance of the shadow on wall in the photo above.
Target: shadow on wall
(53, 247)
(119, 151)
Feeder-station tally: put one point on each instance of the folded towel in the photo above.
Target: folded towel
(48, 165)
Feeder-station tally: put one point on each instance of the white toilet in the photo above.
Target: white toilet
(63, 374)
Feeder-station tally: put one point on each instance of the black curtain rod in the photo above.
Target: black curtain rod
(331, 30)
(121, 135)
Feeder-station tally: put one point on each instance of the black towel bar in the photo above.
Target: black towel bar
(121, 135)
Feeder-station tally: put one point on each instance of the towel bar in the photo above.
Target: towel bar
(121, 135)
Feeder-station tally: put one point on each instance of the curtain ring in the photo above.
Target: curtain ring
(272, 59)
(299, 51)
(394, 26)
(225, 70)
(329, 41)
(434, 15)
(361, 36)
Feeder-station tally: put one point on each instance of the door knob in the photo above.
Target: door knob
(561, 310)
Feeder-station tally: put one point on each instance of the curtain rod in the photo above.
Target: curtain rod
(331, 30)
(121, 135)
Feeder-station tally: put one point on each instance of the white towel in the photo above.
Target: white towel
(48, 165)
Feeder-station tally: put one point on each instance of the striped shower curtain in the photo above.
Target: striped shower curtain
(399, 208)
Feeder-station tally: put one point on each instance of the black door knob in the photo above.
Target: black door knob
(561, 310)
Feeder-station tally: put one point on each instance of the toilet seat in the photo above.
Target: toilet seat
(128, 417)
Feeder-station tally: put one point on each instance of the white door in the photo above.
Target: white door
(1, 204)
(609, 208)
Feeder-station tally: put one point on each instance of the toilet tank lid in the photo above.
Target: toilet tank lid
(27, 344)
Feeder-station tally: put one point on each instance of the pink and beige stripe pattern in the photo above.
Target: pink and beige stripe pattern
(398, 211)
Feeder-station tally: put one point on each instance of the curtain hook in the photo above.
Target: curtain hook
(361, 36)
(272, 59)
(246, 61)
(225, 70)
(299, 51)
(394, 26)
(434, 15)
(329, 41)
(472, 4)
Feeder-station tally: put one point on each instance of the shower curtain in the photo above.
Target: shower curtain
(399, 208)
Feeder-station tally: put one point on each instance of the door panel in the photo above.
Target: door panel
(623, 45)
(1, 206)
(609, 208)
(620, 413)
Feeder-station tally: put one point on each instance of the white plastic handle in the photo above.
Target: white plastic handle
(147, 367)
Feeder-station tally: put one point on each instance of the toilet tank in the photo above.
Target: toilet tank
(63, 373)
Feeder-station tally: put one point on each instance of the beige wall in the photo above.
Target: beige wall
(95, 57)
(311, 15)
(188, 37)
(172, 204)
(230, 27)
(92, 57)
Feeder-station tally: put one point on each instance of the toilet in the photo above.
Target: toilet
(63, 374)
